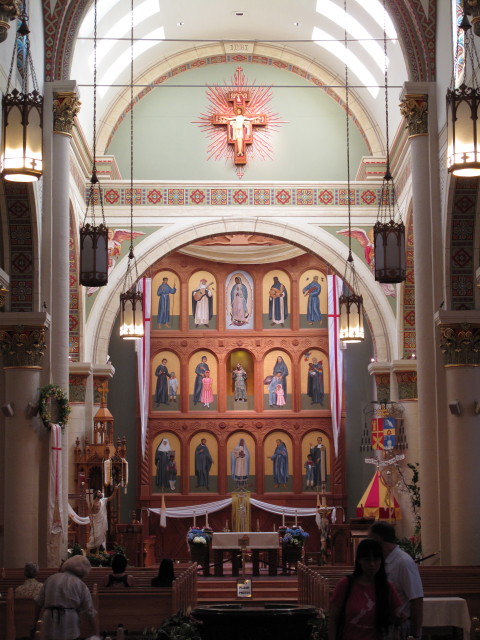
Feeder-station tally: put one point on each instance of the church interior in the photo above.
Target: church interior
(196, 222)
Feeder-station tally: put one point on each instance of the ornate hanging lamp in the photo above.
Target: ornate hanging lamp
(350, 301)
(131, 300)
(93, 237)
(9, 10)
(22, 157)
(463, 102)
(389, 230)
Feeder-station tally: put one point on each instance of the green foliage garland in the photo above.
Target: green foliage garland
(58, 394)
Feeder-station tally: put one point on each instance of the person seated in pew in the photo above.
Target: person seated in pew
(166, 574)
(118, 577)
(31, 587)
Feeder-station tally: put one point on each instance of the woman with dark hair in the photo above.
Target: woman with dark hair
(118, 577)
(365, 605)
(166, 574)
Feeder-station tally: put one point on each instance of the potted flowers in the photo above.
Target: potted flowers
(293, 541)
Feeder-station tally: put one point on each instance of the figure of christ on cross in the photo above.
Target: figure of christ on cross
(239, 125)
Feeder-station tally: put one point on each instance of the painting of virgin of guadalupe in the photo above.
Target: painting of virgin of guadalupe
(239, 300)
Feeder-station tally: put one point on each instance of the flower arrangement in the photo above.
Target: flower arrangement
(294, 537)
(199, 537)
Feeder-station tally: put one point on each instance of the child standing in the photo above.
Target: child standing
(309, 469)
(172, 471)
(280, 395)
(207, 391)
(172, 386)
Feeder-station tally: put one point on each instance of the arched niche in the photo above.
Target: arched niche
(165, 301)
(278, 462)
(166, 446)
(240, 396)
(165, 382)
(202, 381)
(313, 299)
(277, 367)
(239, 301)
(202, 303)
(235, 467)
(314, 380)
(311, 445)
(276, 297)
(203, 463)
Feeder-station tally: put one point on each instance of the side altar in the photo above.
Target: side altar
(233, 542)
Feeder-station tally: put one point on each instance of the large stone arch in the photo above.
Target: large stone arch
(314, 239)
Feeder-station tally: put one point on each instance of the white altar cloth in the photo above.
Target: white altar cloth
(256, 540)
(447, 612)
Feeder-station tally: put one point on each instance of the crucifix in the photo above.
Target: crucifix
(239, 124)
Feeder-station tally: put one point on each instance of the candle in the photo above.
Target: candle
(206, 519)
(283, 519)
(296, 523)
(226, 525)
(258, 525)
(194, 519)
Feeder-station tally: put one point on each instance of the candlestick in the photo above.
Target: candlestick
(206, 519)
(258, 524)
(283, 519)
(194, 519)
(296, 522)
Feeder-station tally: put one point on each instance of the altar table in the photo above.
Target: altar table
(446, 612)
(257, 541)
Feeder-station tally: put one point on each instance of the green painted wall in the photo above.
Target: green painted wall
(168, 145)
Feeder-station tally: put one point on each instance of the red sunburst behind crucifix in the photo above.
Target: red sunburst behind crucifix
(239, 122)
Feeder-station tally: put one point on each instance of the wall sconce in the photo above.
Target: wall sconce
(476, 407)
(31, 410)
(7, 410)
(455, 408)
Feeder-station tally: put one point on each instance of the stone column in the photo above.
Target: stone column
(65, 108)
(418, 108)
(22, 346)
(460, 345)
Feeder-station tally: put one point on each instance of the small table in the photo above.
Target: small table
(446, 612)
(257, 541)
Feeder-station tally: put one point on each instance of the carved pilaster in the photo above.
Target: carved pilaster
(460, 344)
(22, 346)
(414, 108)
(65, 108)
(9, 10)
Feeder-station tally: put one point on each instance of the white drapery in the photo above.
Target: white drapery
(55, 504)
(335, 285)
(143, 360)
(73, 515)
(196, 510)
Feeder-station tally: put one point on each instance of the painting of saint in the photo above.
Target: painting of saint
(316, 451)
(314, 380)
(203, 395)
(239, 376)
(239, 368)
(313, 290)
(164, 312)
(165, 386)
(277, 303)
(241, 458)
(239, 301)
(203, 462)
(277, 452)
(166, 464)
(313, 299)
(202, 304)
(276, 370)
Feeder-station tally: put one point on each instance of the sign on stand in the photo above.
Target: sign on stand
(244, 588)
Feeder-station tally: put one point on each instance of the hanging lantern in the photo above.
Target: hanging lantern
(463, 102)
(94, 238)
(22, 113)
(389, 238)
(131, 300)
(351, 308)
(131, 315)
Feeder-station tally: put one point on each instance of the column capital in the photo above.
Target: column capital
(414, 108)
(66, 105)
(460, 344)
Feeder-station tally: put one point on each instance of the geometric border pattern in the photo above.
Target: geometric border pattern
(462, 244)
(409, 334)
(74, 307)
(192, 196)
(20, 234)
